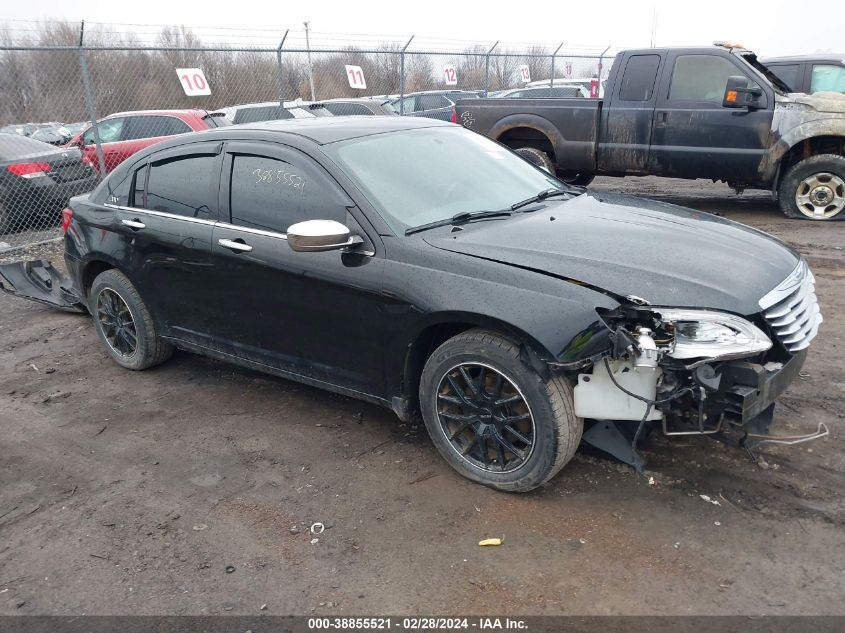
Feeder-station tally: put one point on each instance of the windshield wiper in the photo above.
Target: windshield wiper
(547, 193)
(458, 218)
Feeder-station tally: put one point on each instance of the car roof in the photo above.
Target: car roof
(320, 130)
(816, 57)
(194, 111)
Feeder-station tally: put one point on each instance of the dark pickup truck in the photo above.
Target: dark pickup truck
(713, 113)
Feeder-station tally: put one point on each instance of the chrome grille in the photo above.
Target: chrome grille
(792, 309)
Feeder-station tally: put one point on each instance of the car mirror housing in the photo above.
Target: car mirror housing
(320, 235)
(738, 94)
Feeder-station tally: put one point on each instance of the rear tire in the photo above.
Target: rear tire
(814, 189)
(493, 418)
(537, 157)
(124, 323)
(576, 178)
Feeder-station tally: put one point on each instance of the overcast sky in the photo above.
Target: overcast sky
(769, 28)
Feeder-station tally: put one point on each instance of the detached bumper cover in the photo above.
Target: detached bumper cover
(38, 281)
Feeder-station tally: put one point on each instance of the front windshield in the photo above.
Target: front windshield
(423, 175)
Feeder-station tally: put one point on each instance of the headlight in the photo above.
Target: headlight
(712, 335)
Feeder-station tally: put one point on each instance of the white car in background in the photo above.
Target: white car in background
(263, 111)
(583, 83)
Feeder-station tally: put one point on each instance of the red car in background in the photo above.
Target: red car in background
(124, 133)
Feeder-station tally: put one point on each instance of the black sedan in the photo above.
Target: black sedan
(37, 180)
(420, 266)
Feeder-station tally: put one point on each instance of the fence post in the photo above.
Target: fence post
(280, 78)
(601, 58)
(89, 101)
(487, 68)
(402, 76)
(552, 78)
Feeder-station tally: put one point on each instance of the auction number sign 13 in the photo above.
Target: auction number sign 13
(450, 75)
(524, 74)
(193, 81)
(356, 77)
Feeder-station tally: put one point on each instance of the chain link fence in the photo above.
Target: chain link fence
(71, 111)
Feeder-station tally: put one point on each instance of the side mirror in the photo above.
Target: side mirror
(739, 95)
(320, 235)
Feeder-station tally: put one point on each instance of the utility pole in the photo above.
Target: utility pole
(654, 27)
(310, 73)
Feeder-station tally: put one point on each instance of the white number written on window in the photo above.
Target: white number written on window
(356, 77)
(524, 74)
(193, 81)
(450, 75)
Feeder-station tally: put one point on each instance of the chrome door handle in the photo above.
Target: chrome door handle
(240, 247)
(133, 224)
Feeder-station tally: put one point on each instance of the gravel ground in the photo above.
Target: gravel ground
(189, 489)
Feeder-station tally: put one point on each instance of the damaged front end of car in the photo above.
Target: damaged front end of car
(697, 371)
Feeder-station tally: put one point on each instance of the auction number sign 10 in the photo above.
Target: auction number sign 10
(193, 81)
(356, 77)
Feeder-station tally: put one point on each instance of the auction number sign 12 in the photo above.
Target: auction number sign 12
(356, 77)
(450, 75)
(193, 81)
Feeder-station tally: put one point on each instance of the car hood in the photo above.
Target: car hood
(621, 245)
(829, 102)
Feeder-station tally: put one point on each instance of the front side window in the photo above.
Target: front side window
(701, 78)
(639, 77)
(271, 194)
(110, 131)
(827, 78)
(182, 186)
(417, 176)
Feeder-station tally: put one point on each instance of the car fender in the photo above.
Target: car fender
(532, 121)
(788, 136)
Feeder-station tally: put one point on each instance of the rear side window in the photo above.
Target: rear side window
(788, 74)
(182, 186)
(346, 109)
(271, 194)
(639, 77)
(701, 78)
(432, 102)
(138, 127)
(827, 78)
(264, 113)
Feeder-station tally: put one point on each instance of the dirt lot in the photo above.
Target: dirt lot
(132, 492)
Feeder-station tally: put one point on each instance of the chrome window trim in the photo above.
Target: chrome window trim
(247, 229)
(161, 214)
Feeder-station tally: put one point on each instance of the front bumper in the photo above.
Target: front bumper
(747, 390)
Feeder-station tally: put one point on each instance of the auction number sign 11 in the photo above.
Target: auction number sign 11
(356, 77)
(193, 81)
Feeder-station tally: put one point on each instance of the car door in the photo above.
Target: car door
(110, 131)
(627, 117)
(311, 314)
(168, 222)
(693, 135)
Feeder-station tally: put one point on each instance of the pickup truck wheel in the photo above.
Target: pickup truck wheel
(576, 178)
(492, 417)
(124, 323)
(537, 157)
(814, 189)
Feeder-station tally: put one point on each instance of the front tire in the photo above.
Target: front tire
(124, 323)
(814, 189)
(494, 419)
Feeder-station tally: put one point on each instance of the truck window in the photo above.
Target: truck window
(788, 73)
(827, 78)
(638, 79)
(700, 78)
